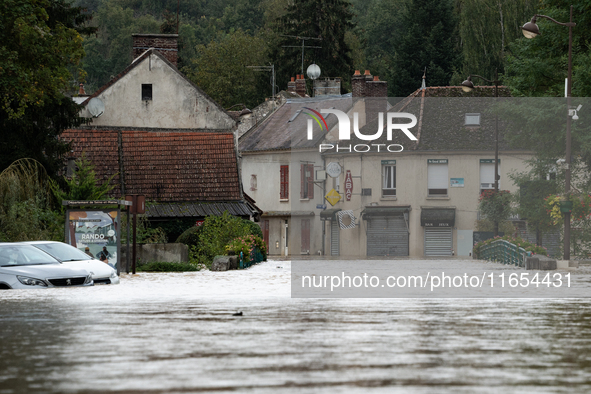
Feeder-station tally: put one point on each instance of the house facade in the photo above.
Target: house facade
(163, 137)
(386, 196)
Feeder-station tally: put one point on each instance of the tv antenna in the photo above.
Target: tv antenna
(303, 45)
(267, 68)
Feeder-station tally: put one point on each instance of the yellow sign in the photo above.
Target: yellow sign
(332, 197)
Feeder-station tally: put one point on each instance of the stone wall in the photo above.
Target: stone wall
(146, 253)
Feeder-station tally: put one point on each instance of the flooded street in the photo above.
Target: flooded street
(176, 333)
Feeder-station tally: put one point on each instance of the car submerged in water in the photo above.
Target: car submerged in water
(25, 267)
(102, 273)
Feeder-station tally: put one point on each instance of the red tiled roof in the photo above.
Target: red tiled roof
(163, 166)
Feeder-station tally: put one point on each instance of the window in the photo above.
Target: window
(307, 181)
(437, 178)
(472, 120)
(146, 91)
(487, 174)
(253, 182)
(284, 183)
(388, 178)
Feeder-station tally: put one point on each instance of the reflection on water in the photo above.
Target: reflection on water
(175, 333)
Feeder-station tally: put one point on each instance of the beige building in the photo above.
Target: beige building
(397, 196)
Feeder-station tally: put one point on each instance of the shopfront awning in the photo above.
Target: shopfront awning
(384, 211)
(438, 217)
(328, 214)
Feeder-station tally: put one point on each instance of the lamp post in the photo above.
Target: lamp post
(468, 86)
(531, 30)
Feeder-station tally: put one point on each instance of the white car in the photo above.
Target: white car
(25, 267)
(101, 273)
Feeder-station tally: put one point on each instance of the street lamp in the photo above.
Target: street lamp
(468, 86)
(531, 30)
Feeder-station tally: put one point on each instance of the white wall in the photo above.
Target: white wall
(175, 103)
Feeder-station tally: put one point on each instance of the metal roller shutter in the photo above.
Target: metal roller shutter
(334, 237)
(438, 241)
(387, 236)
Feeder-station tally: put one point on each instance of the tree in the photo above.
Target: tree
(428, 38)
(41, 42)
(109, 52)
(26, 204)
(221, 69)
(329, 20)
(486, 29)
(538, 67)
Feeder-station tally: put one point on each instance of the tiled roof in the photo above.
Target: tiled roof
(277, 130)
(441, 112)
(163, 166)
(198, 209)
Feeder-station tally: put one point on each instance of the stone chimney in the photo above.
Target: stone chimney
(300, 84)
(327, 86)
(166, 44)
(291, 85)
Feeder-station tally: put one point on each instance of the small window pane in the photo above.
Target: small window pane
(146, 91)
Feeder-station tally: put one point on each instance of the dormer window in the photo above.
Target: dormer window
(472, 120)
(146, 91)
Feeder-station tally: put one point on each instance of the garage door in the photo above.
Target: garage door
(438, 241)
(387, 236)
(334, 237)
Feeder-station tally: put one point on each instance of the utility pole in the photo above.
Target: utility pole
(302, 46)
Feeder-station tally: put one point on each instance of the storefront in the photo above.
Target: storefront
(387, 230)
(438, 225)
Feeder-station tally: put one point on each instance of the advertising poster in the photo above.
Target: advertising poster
(95, 232)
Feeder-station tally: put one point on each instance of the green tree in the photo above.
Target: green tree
(221, 69)
(329, 20)
(486, 29)
(83, 185)
(41, 43)
(428, 38)
(109, 51)
(26, 204)
(538, 67)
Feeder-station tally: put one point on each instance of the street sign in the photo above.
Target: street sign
(348, 185)
(333, 169)
(321, 206)
(332, 197)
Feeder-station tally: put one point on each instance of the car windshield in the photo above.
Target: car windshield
(15, 255)
(63, 252)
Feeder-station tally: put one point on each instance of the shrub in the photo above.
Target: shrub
(190, 236)
(247, 245)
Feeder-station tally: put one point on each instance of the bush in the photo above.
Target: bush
(247, 245)
(163, 266)
(254, 228)
(190, 236)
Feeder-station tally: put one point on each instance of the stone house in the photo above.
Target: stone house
(164, 138)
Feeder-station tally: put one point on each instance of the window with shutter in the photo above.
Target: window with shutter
(284, 183)
(437, 178)
(388, 180)
(307, 181)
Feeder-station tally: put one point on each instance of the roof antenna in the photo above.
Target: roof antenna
(423, 84)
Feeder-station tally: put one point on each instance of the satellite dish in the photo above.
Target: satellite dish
(96, 107)
(313, 71)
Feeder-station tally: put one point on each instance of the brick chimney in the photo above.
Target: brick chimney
(300, 84)
(358, 84)
(376, 98)
(167, 44)
(291, 85)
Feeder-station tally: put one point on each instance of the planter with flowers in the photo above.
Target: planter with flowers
(579, 207)
(253, 249)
